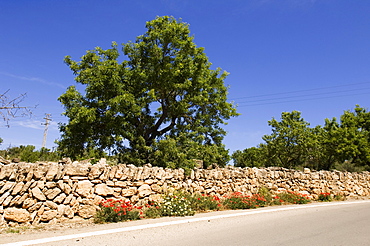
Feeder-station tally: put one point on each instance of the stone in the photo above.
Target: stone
(35, 207)
(121, 184)
(156, 188)
(17, 214)
(48, 215)
(77, 169)
(8, 186)
(40, 170)
(134, 199)
(84, 188)
(129, 192)
(4, 196)
(50, 185)
(22, 199)
(69, 199)
(36, 192)
(60, 198)
(26, 186)
(144, 191)
(7, 201)
(4, 161)
(306, 170)
(103, 190)
(51, 194)
(96, 170)
(51, 205)
(86, 211)
(52, 172)
(29, 202)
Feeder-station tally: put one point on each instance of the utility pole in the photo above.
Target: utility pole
(47, 123)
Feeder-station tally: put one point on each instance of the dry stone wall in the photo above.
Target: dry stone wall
(53, 192)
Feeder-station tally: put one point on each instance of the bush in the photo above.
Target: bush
(176, 204)
(201, 203)
(239, 201)
(153, 210)
(325, 197)
(292, 197)
(116, 211)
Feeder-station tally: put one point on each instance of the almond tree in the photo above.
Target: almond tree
(164, 101)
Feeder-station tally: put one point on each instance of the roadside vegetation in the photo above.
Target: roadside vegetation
(179, 203)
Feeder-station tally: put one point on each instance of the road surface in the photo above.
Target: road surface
(335, 223)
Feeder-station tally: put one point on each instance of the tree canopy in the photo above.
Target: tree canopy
(343, 145)
(163, 103)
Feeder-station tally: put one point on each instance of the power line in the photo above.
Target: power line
(308, 95)
(298, 100)
(298, 91)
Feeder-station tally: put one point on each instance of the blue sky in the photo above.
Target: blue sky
(282, 55)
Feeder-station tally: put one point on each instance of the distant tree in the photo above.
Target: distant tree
(250, 157)
(164, 104)
(28, 153)
(289, 143)
(354, 136)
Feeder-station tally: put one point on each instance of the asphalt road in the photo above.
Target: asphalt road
(336, 223)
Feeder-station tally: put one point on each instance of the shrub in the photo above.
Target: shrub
(237, 200)
(266, 193)
(295, 198)
(201, 203)
(325, 197)
(176, 204)
(153, 210)
(116, 211)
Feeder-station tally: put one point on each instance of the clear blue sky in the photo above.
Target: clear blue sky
(282, 55)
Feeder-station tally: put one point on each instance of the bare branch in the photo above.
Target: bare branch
(10, 108)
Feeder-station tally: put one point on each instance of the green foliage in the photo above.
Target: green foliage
(325, 197)
(116, 211)
(250, 157)
(29, 154)
(176, 204)
(343, 145)
(266, 193)
(238, 200)
(293, 197)
(201, 202)
(153, 210)
(164, 104)
(289, 143)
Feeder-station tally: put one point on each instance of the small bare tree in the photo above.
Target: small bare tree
(11, 108)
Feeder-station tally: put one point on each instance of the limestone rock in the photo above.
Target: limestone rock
(77, 169)
(144, 191)
(29, 202)
(60, 198)
(36, 192)
(51, 205)
(4, 161)
(86, 211)
(129, 192)
(52, 172)
(103, 190)
(17, 214)
(51, 194)
(7, 186)
(48, 215)
(84, 188)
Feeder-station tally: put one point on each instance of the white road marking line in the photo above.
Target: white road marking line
(140, 227)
